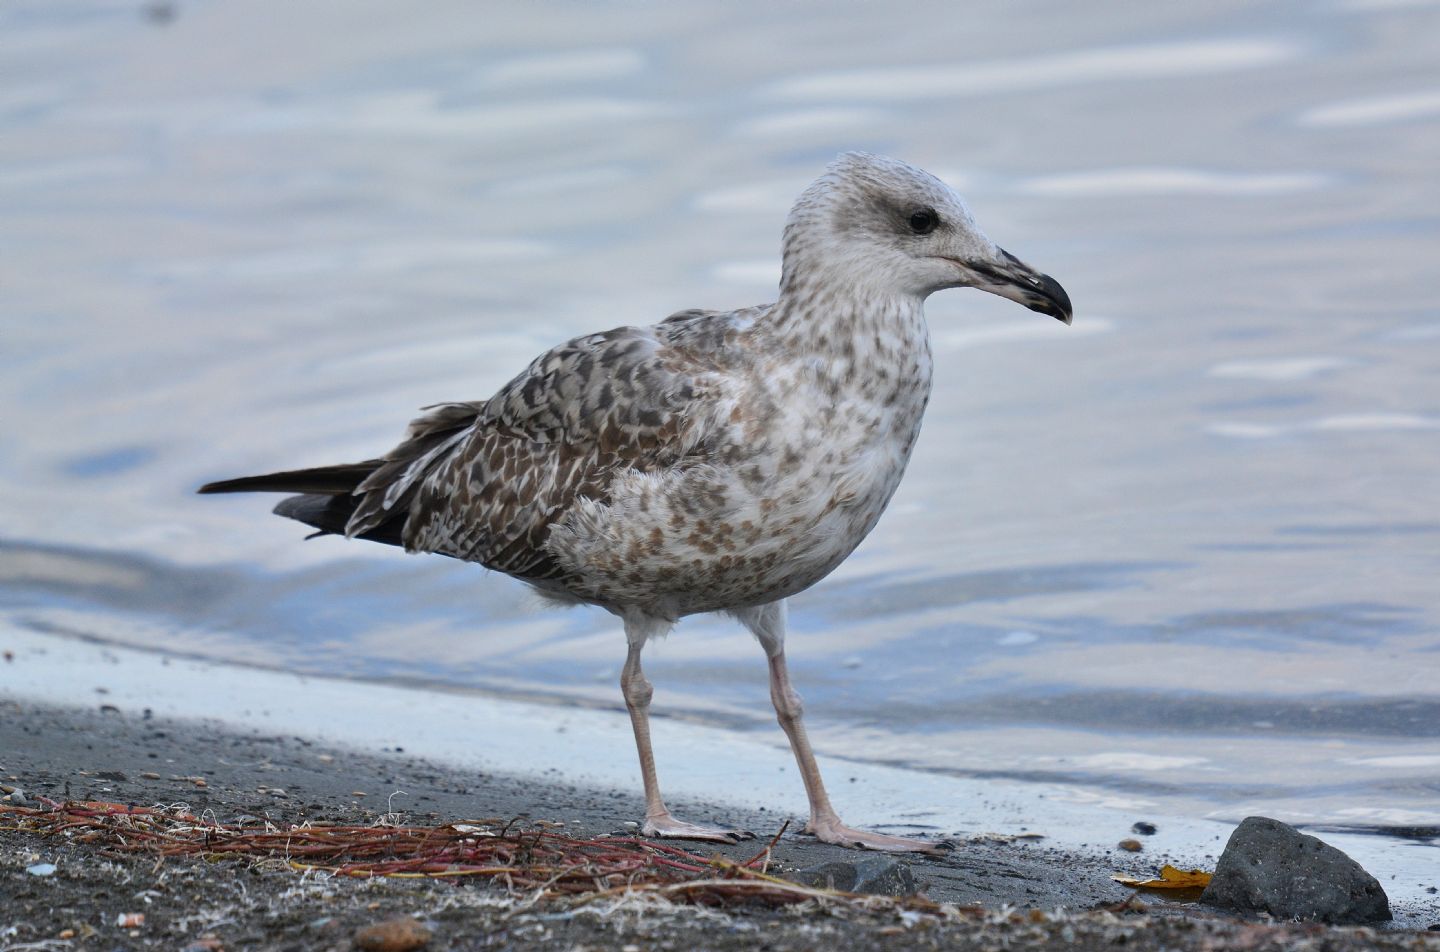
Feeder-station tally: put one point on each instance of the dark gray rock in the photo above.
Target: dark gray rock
(1270, 867)
(837, 875)
(884, 876)
(876, 875)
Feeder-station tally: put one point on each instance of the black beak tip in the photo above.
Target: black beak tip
(1052, 300)
(1020, 282)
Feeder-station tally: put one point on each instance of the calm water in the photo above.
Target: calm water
(1183, 555)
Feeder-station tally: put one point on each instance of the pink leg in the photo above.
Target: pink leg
(768, 624)
(637, 692)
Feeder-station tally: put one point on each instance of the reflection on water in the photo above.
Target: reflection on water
(1181, 555)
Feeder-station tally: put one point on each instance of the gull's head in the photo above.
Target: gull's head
(879, 225)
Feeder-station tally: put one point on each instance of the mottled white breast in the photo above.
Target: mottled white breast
(810, 443)
(850, 461)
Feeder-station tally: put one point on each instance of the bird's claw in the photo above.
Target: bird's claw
(670, 828)
(833, 831)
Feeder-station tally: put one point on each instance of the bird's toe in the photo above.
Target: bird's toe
(842, 835)
(667, 827)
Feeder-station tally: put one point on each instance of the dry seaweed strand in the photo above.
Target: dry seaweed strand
(543, 864)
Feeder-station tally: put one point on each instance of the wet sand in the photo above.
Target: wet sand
(107, 753)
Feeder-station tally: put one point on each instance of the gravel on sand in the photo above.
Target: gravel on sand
(993, 893)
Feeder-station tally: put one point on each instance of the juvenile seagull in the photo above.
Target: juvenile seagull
(719, 461)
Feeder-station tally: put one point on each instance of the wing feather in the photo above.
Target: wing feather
(485, 481)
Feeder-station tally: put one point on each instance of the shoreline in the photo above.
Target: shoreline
(751, 774)
(1031, 895)
(90, 721)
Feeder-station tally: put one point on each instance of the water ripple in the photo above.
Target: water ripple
(1352, 422)
(380, 257)
(1278, 368)
(1053, 70)
(569, 67)
(1398, 107)
(1173, 181)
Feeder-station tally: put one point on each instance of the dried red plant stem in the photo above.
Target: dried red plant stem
(519, 859)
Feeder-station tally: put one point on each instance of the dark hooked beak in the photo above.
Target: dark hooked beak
(1014, 279)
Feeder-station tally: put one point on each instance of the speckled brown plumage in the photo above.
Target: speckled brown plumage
(716, 461)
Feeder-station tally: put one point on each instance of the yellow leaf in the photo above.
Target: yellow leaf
(1170, 878)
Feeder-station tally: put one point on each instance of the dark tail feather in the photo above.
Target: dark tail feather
(327, 501)
(330, 514)
(325, 480)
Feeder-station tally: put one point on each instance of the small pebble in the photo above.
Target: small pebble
(1143, 828)
(400, 934)
(41, 869)
(1130, 846)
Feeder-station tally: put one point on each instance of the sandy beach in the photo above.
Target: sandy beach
(1022, 893)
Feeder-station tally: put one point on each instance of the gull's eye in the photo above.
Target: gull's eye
(924, 221)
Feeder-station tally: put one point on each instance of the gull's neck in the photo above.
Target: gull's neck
(855, 336)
